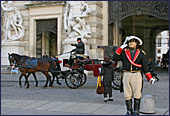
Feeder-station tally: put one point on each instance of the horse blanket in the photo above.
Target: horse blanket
(31, 63)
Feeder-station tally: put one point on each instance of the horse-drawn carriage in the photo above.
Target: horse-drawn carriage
(74, 76)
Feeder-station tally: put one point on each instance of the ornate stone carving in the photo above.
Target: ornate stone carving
(12, 27)
(32, 4)
(75, 19)
(46, 25)
(119, 10)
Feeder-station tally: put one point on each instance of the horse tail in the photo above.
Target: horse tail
(52, 66)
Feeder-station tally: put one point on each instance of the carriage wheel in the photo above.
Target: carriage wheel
(84, 78)
(73, 79)
(116, 81)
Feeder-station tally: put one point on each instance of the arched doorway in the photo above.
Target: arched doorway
(162, 46)
(141, 18)
(46, 41)
(146, 27)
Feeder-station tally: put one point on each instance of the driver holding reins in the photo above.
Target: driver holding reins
(80, 48)
(134, 64)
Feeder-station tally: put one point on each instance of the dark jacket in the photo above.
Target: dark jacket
(107, 70)
(79, 47)
(139, 58)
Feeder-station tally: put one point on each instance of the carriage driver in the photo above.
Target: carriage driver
(79, 50)
(134, 61)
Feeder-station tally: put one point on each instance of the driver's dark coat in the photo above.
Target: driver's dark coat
(79, 47)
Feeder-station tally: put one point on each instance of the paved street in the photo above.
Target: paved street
(61, 100)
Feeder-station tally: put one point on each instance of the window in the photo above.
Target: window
(159, 51)
(159, 42)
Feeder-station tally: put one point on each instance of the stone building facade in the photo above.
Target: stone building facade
(44, 27)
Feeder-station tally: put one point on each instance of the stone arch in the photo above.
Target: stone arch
(119, 10)
(154, 34)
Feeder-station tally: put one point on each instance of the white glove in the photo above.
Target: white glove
(123, 46)
(127, 39)
(152, 80)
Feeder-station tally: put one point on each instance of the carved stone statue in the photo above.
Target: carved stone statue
(75, 19)
(12, 27)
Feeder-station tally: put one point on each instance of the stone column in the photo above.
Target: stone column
(116, 33)
(45, 43)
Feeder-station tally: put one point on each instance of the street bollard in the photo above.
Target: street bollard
(147, 104)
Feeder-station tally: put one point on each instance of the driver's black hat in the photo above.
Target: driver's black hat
(78, 39)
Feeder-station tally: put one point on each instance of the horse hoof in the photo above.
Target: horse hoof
(36, 85)
(44, 86)
(59, 83)
(50, 85)
(20, 86)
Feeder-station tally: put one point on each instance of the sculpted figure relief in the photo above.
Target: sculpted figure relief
(12, 27)
(75, 19)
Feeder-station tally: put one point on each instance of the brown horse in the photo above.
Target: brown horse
(15, 59)
(44, 65)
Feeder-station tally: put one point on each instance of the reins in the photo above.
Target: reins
(37, 69)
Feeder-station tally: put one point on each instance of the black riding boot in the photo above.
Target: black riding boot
(129, 107)
(136, 106)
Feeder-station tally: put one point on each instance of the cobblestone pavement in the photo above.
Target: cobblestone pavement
(10, 90)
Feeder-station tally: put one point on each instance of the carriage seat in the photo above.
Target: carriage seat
(85, 62)
(82, 56)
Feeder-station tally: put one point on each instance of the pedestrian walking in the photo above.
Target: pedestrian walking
(45, 55)
(134, 62)
(107, 71)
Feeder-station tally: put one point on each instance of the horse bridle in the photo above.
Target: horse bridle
(10, 59)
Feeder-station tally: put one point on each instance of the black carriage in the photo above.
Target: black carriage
(75, 77)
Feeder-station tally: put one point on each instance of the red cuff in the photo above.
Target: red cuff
(119, 51)
(60, 61)
(148, 76)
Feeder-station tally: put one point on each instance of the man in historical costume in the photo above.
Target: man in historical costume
(79, 50)
(134, 65)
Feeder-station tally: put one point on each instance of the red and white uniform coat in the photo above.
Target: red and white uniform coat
(138, 63)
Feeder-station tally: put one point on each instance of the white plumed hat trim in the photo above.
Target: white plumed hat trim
(128, 38)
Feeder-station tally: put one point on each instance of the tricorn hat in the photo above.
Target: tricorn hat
(128, 38)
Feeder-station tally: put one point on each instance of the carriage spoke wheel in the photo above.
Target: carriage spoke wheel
(116, 81)
(73, 79)
(84, 78)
